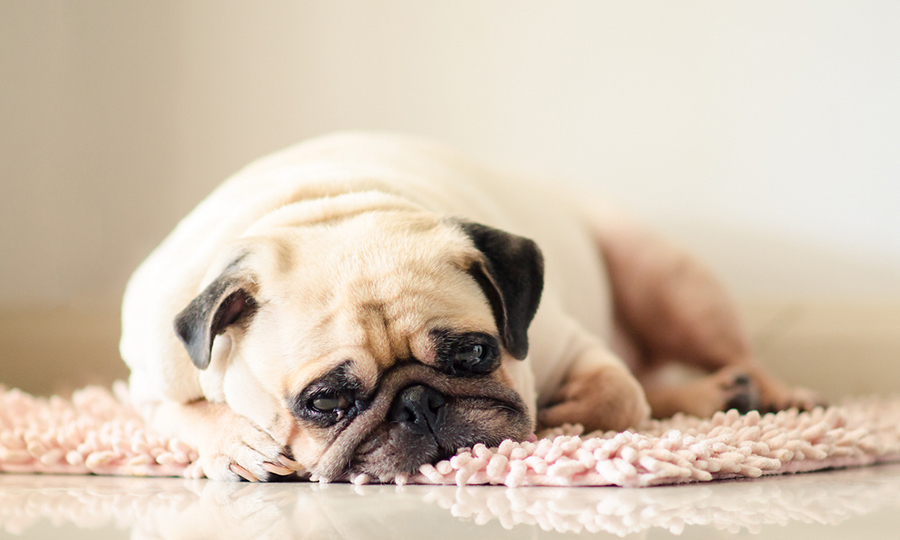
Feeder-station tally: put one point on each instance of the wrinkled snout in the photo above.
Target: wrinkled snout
(421, 415)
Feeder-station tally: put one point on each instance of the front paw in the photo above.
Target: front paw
(237, 449)
(608, 399)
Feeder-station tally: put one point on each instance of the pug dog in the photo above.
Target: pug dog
(369, 303)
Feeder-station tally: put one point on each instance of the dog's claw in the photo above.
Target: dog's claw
(277, 469)
(243, 473)
(290, 463)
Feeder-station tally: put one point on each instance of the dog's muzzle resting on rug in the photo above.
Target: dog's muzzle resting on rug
(367, 304)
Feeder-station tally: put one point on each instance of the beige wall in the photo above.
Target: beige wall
(763, 134)
(773, 118)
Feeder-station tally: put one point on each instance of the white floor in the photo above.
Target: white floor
(856, 503)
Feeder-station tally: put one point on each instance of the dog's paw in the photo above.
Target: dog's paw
(729, 388)
(782, 398)
(607, 399)
(734, 388)
(238, 449)
(744, 388)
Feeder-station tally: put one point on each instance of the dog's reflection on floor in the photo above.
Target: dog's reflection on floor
(174, 508)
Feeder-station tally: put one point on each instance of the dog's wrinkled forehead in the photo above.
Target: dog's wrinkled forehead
(369, 246)
(372, 285)
(368, 288)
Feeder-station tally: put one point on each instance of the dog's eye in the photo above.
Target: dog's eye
(474, 358)
(470, 355)
(466, 354)
(330, 403)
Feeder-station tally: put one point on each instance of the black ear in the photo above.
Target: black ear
(512, 278)
(220, 304)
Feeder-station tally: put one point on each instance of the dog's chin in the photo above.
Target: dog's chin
(394, 449)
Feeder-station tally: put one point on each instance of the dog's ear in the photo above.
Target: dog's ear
(222, 303)
(512, 277)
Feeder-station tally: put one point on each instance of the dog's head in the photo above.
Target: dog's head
(371, 344)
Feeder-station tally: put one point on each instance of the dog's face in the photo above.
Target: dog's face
(372, 344)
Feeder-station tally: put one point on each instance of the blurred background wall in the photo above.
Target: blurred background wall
(762, 134)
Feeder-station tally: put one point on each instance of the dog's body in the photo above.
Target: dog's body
(353, 303)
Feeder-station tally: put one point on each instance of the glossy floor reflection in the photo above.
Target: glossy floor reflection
(859, 503)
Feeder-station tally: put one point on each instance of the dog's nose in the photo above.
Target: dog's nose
(420, 407)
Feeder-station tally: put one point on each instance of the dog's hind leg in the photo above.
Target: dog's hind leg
(672, 308)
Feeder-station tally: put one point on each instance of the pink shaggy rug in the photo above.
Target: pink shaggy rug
(98, 432)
